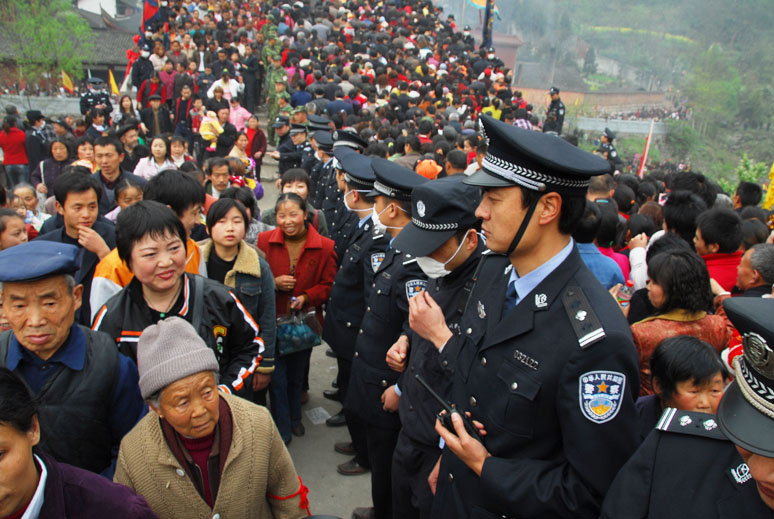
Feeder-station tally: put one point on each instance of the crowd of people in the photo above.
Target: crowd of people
(656, 113)
(446, 244)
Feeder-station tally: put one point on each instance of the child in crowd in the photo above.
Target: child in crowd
(127, 193)
(209, 129)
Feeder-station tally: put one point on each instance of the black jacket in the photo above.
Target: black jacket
(224, 324)
(141, 71)
(398, 279)
(554, 381)
(165, 123)
(685, 469)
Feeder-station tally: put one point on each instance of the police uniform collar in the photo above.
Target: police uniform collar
(439, 209)
(746, 412)
(533, 160)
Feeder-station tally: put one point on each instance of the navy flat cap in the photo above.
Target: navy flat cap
(36, 260)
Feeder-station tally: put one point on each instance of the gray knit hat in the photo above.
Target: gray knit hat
(168, 351)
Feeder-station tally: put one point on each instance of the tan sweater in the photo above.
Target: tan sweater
(258, 465)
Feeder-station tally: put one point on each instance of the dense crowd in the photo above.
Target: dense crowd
(430, 229)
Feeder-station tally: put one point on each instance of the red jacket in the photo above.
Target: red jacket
(314, 273)
(12, 143)
(722, 268)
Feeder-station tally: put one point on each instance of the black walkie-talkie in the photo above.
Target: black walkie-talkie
(446, 418)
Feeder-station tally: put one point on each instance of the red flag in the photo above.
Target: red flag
(644, 158)
(149, 9)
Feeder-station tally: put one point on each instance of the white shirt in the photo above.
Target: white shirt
(36, 504)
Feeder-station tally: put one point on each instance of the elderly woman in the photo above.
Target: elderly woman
(203, 454)
(36, 485)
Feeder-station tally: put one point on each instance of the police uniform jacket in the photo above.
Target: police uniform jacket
(685, 468)
(91, 99)
(557, 109)
(351, 289)
(317, 174)
(554, 381)
(398, 279)
(290, 155)
(417, 408)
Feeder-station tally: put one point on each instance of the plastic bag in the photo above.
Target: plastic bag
(298, 331)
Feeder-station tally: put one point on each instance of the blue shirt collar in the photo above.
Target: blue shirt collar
(363, 221)
(72, 353)
(527, 283)
(588, 248)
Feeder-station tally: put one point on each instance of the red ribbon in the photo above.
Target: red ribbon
(303, 491)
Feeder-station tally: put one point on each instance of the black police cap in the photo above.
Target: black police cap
(439, 209)
(324, 140)
(356, 167)
(280, 121)
(318, 122)
(553, 90)
(610, 134)
(297, 128)
(393, 180)
(534, 160)
(746, 412)
(349, 139)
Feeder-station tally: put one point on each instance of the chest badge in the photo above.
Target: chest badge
(600, 394)
(376, 260)
(481, 310)
(541, 300)
(741, 473)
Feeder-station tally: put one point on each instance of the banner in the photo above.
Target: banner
(486, 37)
(113, 86)
(481, 4)
(768, 202)
(149, 10)
(67, 83)
(644, 159)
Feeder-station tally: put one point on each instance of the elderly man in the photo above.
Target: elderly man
(87, 391)
(202, 453)
(754, 275)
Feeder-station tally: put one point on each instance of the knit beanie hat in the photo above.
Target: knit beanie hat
(169, 351)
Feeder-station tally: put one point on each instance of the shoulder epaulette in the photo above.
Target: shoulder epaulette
(584, 320)
(689, 422)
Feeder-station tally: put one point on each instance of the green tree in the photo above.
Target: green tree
(46, 35)
(712, 88)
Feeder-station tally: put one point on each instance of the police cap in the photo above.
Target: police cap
(96, 81)
(356, 167)
(534, 160)
(746, 412)
(297, 128)
(324, 140)
(280, 121)
(610, 134)
(553, 90)
(439, 209)
(318, 122)
(36, 260)
(393, 180)
(348, 138)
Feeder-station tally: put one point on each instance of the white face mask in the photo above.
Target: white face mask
(346, 204)
(379, 227)
(145, 54)
(434, 269)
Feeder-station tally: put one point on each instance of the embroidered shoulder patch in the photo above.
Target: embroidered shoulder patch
(414, 287)
(376, 260)
(600, 394)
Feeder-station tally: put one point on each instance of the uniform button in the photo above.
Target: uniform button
(180, 472)
(469, 331)
(412, 369)
(368, 309)
(349, 324)
(379, 291)
(451, 477)
(216, 516)
(514, 386)
(411, 408)
(483, 362)
(356, 353)
(360, 332)
(445, 363)
(473, 401)
(437, 288)
(384, 383)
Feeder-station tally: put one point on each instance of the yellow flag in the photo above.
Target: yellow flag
(67, 83)
(113, 85)
(769, 201)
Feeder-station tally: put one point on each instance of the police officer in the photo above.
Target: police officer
(371, 398)
(341, 223)
(467, 38)
(442, 236)
(292, 152)
(703, 466)
(96, 97)
(544, 363)
(555, 113)
(281, 127)
(319, 168)
(607, 149)
(351, 289)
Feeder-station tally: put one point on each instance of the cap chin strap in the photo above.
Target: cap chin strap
(524, 224)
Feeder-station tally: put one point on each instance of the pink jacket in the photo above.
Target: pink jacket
(238, 117)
